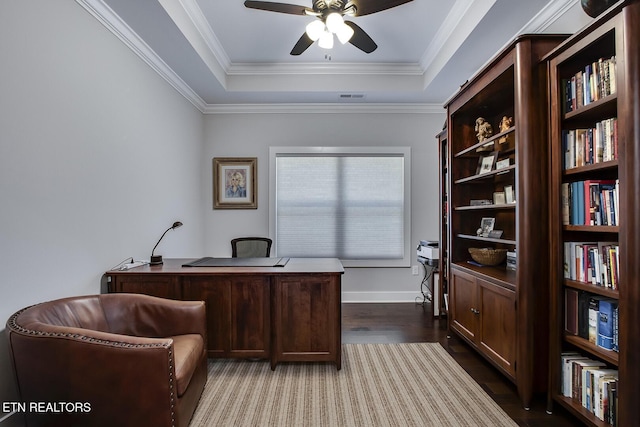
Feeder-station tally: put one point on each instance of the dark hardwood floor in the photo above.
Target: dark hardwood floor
(409, 322)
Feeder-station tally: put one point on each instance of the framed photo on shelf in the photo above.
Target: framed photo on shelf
(495, 234)
(498, 198)
(509, 195)
(501, 164)
(486, 226)
(485, 164)
(235, 183)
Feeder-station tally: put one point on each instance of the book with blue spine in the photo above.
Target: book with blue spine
(606, 310)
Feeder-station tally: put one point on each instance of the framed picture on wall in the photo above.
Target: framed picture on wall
(235, 183)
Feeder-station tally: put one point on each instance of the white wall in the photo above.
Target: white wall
(98, 156)
(251, 135)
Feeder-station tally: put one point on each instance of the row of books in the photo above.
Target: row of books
(592, 384)
(592, 317)
(587, 146)
(590, 202)
(592, 262)
(596, 81)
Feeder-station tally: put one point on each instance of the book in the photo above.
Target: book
(566, 360)
(615, 328)
(605, 323)
(565, 204)
(609, 385)
(584, 386)
(571, 311)
(580, 202)
(583, 314)
(597, 379)
(604, 260)
(594, 310)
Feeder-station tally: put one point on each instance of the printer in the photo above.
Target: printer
(428, 249)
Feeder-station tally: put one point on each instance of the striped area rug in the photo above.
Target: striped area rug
(379, 385)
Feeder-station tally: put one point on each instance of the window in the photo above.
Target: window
(347, 203)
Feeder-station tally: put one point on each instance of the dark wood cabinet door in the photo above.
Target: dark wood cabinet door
(215, 294)
(463, 304)
(250, 329)
(306, 319)
(497, 329)
(237, 314)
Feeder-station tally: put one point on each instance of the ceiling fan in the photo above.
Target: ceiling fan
(330, 20)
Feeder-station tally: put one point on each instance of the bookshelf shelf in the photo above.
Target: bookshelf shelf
(486, 239)
(591, 288)
(604, 166)
(472, 150)
(486, 207)
(610, 39)
(492, 308)
(608, 356)
(593, 228)
(485, 176)
(498, 275)
(580, 412)
(602, 107)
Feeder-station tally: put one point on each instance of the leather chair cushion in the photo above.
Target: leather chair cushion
(188, 351)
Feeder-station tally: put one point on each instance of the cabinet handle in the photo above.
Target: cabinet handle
(475, 311)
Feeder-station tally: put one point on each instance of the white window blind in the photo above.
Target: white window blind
(342, 203)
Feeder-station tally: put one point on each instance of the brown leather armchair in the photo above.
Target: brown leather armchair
(109, 360)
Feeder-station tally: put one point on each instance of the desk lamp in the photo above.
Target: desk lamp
(157, 259)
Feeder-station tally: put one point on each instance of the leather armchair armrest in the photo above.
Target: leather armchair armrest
(123, 378)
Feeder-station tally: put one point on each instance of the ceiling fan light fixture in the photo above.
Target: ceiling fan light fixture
(344, 33)
(334, 22)
(315, 29)
(326, 40)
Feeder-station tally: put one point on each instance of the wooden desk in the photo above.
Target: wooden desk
(285, 314)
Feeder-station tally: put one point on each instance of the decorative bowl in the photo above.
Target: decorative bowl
(488, 256)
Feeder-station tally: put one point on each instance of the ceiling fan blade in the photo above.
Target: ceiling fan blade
(302, 45)
(292, 9)
(360, 39)
(367, 7)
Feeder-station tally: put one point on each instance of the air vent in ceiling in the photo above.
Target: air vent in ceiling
(353, 96)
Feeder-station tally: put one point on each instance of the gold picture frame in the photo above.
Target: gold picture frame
(235, 185)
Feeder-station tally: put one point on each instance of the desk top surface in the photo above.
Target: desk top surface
(294, 265)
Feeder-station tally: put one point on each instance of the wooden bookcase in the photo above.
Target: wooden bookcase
(616, 33)
(443, 270)
(502, 313)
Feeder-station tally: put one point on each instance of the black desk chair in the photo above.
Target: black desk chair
(251, 247)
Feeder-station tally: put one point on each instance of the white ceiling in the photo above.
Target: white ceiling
(221, 55)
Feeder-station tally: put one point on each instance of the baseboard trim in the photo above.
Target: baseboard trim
(389, 297)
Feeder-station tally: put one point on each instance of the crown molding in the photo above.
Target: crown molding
(209, 36)
(547, 16)
(107, 17)
(186, 13)
(325, 108)
(453, 32)
(372, 69)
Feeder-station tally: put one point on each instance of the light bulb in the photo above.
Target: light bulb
(334, 22)
(344, 33)
(326, 40)
(315, 29)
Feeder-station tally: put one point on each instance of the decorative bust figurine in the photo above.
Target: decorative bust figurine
(483, 129)
(505, 124)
